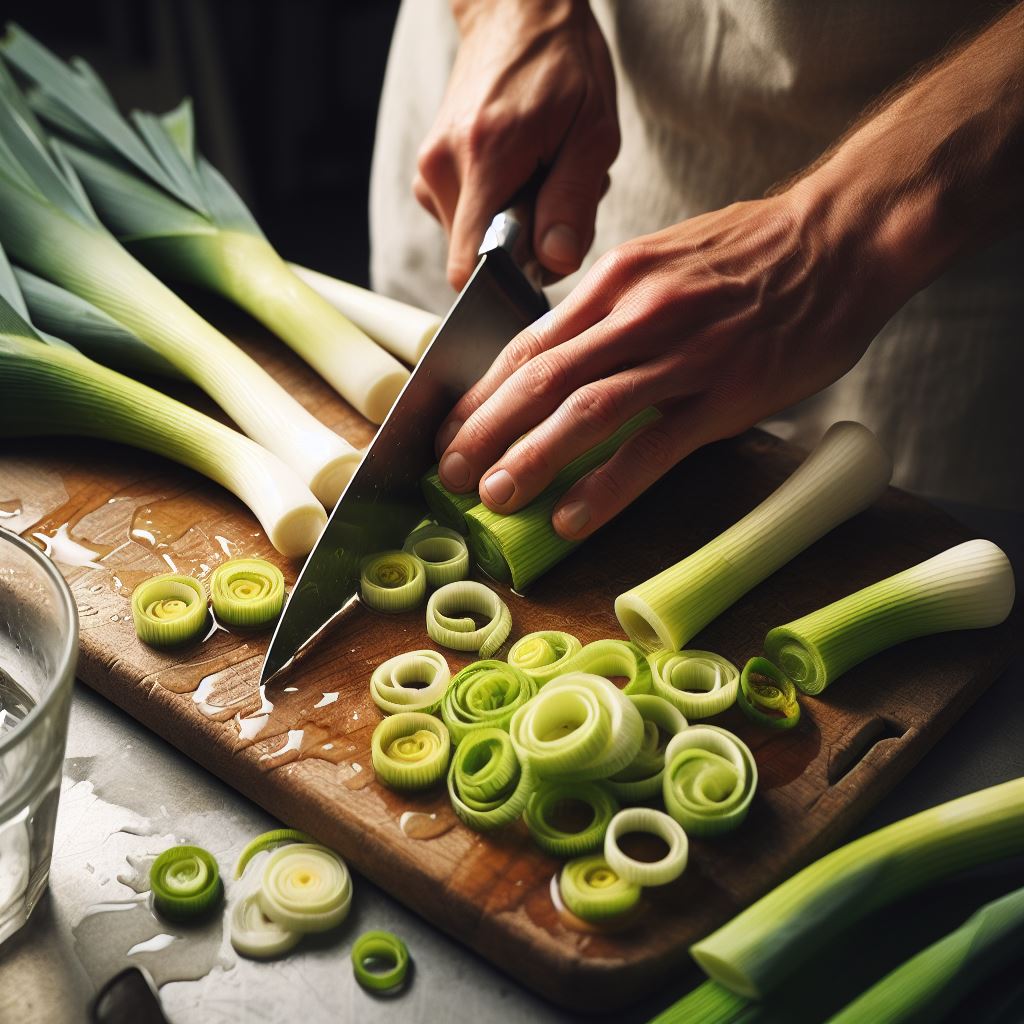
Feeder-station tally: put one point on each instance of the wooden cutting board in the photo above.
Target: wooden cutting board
(111, 517)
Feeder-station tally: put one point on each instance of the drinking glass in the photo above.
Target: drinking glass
(38, 652)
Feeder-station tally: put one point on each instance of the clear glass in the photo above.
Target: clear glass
(38, 652)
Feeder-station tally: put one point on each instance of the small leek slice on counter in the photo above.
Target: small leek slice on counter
(404, 330)
(657, 823)
(410, 750)
(442, 551)
(54, 391)
(520, 547)
(933, 981)
(766, 696)
(247, 592)
(764, 946)
(487, 783)
(578, 727)
(255, 935)
(392, 581)
(593, 891)
(843, 475)
(699, 683)
(49, 227)
(414, 681)
(460, 632)
(380, 961)
(306, 888)
(185, 883)
(550, 797)
(158, 195)
(710, 779)
(615, 659)
(445, 506)
(641, 779)
(268, 841)
(484, 694)
(168, 610)
(970, 586)
(544, 654)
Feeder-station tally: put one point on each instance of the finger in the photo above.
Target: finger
(643, 459)
(587, 417)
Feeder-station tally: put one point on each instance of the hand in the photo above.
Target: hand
(532, 85)
(718, 321)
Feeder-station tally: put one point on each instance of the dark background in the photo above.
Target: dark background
(285, 92)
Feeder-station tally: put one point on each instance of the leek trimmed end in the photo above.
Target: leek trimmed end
(642, 625)
(331, 481)
(726, 974)
(295, 533)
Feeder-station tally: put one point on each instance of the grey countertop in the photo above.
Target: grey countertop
(126, 793)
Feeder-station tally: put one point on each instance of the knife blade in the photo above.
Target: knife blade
(382, 501)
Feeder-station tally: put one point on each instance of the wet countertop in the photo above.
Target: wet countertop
(127, 795)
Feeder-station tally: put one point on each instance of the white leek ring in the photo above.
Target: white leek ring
(460, 632)
(255, 935)
(305, 888)
(699, 683)
(392, 683)
(646, 873)
(392, 581)
(443, 552)
(544, 655)
(614, 658)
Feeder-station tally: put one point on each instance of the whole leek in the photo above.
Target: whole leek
(170, 207)
(967, 587)
(843, 475)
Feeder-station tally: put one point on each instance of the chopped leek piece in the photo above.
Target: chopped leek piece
(967, 587)
(699, 683)
(49, 227)
(552, 795)
(164, 201)
(762, 947)
(594, 892)
(168, 610)
(710, 780)
(414, 681)
(520, 547)
(641, 779)
(373, 951)
(447, 507)
(461, 633)
(766, 696)
(305, 888)
(579, 727)
(392, 581)
(410, 750)
(247, 592)
(185, 883)
(615, 658)
(487, 784)
(255, 935)
(484, 694)
(646, 873)
(269, 841)
(443, 552)
(843, 475)
(543, 655)
(403, 330)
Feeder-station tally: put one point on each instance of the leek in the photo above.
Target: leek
(185, 883)
(410, 750)
(305, 888)
(460, 632)
(544, 654)
(483, 695)
(169, 610)
(759, 949)
(446, 507)
(843, 475)
(247, 592)
(268, 841)
(594, 892)
(487, 784)
(48, 225)
(403, 330)
(699, 684)
(766, 696)
(642, 778)
(392, 581)
(653, 822)
(255, 935)
(550, 796)
(413, 681)
(967, 587)
(165, 202)
(380, 961)
(50, 390)
(443, 553)
(520, 547)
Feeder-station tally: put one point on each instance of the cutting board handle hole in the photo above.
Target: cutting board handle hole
(857, 745)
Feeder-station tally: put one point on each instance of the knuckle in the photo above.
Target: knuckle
(479, 135)
(431, 159)
(521, 349)
(619, 263)
(543, 377)
(594, 408)
(652, 451)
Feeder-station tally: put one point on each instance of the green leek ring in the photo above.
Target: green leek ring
(169, 609)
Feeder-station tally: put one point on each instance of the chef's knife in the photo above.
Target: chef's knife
(382, 501)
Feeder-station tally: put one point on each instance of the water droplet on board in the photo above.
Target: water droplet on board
(328, 698)
(186, 678)
(66, 550)
(424, 825)
(10, 508)
(160, 941)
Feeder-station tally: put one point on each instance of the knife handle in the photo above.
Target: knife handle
(512, 231)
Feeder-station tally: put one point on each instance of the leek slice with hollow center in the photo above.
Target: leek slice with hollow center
(614, 659)
(766, 696)
(460, 632)
(482, 695)
(443, 552)
(487, 783)
(544, 654)
(169, 609)
(699, 683)
(970, 586)
(410, 750)
(392, 581)
(843, 475)
(255, 935)
(414, 681)
(710, 779)
(380, 961)
(646, 873)
(592, 890)
(305, 888)
(185, 883)
(641, 779)
(550, 797)
(247, 592)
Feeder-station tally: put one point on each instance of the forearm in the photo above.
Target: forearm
(539, 13)
(937, 170)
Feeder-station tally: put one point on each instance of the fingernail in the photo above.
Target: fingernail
(574, 517)
(454, 470)
(500, 487)
(561, 244)
(446, 435)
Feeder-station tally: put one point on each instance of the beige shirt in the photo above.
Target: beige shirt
(718, 100)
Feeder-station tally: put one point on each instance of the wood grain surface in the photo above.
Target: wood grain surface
(111, 517)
